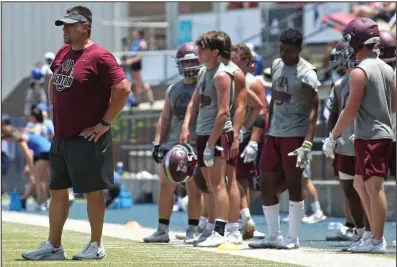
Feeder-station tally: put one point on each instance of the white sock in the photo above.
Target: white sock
(245, 214)
(316, 207)
(210, 227)
(232, 227)
(203, 222)
(272, 214)
(295, 217)
(360, 231)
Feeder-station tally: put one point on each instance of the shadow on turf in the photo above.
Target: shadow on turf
(70, 260)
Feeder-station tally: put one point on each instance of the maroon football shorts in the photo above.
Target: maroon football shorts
(372, 157)
(247, 170)
(345, 164)
(275, 153)
(225, 141)
(335, 166)
(392, 164)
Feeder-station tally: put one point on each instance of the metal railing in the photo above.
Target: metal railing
(158, 67)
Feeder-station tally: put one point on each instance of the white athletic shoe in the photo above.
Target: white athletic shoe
(314, 218)
(368, 247)
(268, 242)
(214, 240)
(304, 219)
(259, 235)
(363, 238)
(160, 236)
(234, 237)
(248, 229)
(190, 236)
(45, 251)
(90, 252)
(202, 237)
(343, 234)
(289, 243)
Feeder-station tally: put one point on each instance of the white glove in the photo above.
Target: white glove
(208, 155)
(243, 130)
(329, 145)
(250, 152)
(304, 155)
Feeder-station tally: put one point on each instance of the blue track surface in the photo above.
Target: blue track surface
(312, 235)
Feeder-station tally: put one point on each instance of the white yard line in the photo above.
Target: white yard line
(303, 256)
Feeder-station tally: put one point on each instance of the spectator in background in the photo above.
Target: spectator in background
(376, 10)
(48, 58)
(258, 60)
(36, 124)
(8, 147)
(47, 122)
(35, 94)
(138, 47)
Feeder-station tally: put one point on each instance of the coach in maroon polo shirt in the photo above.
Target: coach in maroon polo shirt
(87, 91)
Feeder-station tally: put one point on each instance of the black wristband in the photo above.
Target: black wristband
(260, 121)
(105, 123)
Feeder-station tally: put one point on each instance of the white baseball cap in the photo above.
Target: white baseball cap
(49, 55)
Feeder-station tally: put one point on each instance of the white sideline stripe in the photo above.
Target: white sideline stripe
(303, 256)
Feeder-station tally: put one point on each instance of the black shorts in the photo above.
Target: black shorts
(136, 66)
(42, 156)
(86, 166)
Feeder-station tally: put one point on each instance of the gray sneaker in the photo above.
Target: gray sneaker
(160, 236)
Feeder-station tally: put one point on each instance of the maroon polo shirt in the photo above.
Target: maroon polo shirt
(80, 87)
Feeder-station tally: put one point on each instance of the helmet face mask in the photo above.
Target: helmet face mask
(179, 163)
(188, 53)
(358, 33)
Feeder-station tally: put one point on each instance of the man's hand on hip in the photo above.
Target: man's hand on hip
(94, 133)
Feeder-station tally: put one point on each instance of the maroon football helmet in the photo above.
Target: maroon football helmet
(179, 163)
(188, 52)
(387, 46)
(200, 181)
(359, 32)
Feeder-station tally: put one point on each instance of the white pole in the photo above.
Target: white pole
(171, 16)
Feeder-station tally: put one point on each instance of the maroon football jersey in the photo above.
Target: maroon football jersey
(80, 87)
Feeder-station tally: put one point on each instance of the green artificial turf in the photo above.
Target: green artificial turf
(17, 238)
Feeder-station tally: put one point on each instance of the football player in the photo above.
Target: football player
(345, 148)
(372, 111)
(212, 100)
(168, 130)
(387, 48)
(287, 151)
(250, 141)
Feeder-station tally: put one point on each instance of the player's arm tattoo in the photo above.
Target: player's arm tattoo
(313, 113)
(358, 81)
(333, 116)
(223, 84)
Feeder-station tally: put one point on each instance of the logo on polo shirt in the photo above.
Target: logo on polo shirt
(62, 77)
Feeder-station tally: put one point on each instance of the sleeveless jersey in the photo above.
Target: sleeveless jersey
(136, 47)
(180, 95)
(208, 100)
(374, 118)
(341, 91)
(291, 100)
(38, 144)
